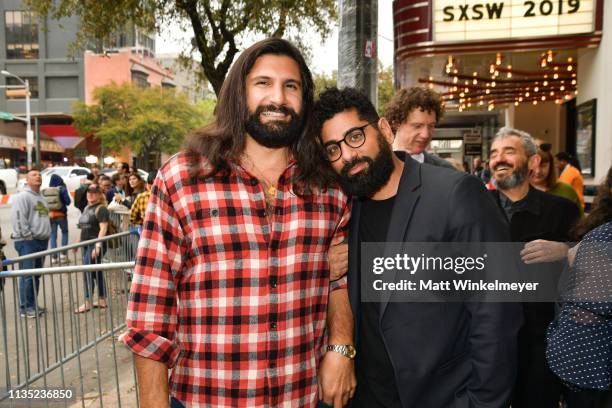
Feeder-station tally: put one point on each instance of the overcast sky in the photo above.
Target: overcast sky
(324, 56)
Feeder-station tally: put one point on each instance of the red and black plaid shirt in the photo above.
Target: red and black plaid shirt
(233, 301)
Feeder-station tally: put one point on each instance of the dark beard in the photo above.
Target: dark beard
(367, 182)
(274, 134)
(518, 176)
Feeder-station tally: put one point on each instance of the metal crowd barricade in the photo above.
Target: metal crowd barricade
(58, 349)
(121, 219)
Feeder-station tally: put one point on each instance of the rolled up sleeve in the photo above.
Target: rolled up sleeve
(152, 307)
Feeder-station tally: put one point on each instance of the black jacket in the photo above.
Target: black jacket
(545, 216)
(548, 217)
(443, 354)
(80, 197)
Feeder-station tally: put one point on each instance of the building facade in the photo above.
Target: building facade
(538, 66)
(37, 50)
(186, 80)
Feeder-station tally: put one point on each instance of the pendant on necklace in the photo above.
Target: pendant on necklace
(271, 191)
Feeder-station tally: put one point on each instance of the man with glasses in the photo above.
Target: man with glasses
(426, 355)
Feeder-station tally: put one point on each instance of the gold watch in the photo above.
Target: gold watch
(345, 349)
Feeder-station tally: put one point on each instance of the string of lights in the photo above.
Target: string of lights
(553, 81)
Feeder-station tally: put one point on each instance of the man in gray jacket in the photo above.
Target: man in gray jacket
(31, 231)
(413, 114)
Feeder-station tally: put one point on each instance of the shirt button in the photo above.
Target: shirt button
(273, 325)
(273, 281)
(262, 213)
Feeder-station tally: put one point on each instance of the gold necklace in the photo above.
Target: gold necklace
(269, 187)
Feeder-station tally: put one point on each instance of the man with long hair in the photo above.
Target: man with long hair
(231, 284)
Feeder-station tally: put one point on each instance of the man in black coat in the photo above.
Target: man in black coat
(543, 222)
(425, 355)
(413, 114)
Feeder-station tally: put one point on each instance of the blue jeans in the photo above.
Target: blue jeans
(91, 278)
(29, 285)
(62, 223)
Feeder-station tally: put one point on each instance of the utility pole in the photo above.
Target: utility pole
(358, 46)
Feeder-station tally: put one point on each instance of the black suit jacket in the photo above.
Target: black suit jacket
(435, 160)
(443, 354)
(548, 217)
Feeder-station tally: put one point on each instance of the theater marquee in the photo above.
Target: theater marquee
(478, 20)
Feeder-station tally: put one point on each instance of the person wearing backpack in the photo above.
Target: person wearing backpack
(58, 199)
(94, 223)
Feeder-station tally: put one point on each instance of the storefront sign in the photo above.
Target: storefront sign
(11, 142)
(461, 20)
(472, 143)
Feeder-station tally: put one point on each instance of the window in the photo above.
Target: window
(140, 79)
(21, 29)
(62, 87)
(146, 42)
(79, 172)
(33, 86)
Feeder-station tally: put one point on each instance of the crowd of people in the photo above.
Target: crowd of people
(39, 214)
(248, 279)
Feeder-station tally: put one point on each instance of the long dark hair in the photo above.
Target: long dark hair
(601, 212)
(222, 142)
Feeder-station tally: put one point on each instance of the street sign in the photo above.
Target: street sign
(472, 138)
(6, 116)
(472, 149)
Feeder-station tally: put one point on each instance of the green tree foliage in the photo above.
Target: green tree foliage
(218, 26)
(147, 120)
(385, 84)
(323, 81)
(385, 87)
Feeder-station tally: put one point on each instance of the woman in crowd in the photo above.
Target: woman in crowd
(93, 224)
(580, 339)
(544, 178)
(137, 185)
(58, 212)
(139, 207)
(119, 192)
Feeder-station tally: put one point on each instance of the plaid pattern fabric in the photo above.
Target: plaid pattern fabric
(137, 211)
(234, 302)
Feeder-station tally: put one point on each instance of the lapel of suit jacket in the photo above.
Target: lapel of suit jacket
(407, 196)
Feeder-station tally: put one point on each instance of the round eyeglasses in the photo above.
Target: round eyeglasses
(354, 138)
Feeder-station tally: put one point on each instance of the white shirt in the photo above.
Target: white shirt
(420, 157)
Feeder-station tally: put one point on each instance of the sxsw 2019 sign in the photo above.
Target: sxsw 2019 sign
(461, 20)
